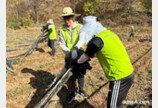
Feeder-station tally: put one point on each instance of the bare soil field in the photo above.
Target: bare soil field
(33, 74)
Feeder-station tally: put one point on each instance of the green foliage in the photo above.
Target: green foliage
(89, 8)
(94, 7)
(26, 22)
(125, 15)
(15, 23)
(147, 4)
(17, 2)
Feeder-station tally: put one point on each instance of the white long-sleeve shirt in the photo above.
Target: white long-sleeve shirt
(62, 42)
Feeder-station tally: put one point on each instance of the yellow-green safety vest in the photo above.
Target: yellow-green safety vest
(132, 31)
(53, 33)
(71, 41)
(113, 57)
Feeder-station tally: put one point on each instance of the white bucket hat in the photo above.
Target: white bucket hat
(91, 27)
(67, 11)
(50, 21)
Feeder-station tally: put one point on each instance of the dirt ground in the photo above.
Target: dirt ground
(33, 74)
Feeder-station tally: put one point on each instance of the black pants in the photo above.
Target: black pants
(72, 81)
(118, 91)
(131, 35)
(52, 46)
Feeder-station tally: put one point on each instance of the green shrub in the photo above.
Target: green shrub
(147, 4)
(125, 15)
(26, 22)
(89, 8)
(93, 7)
(14, 24)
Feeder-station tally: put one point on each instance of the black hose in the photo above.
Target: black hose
(10, 60)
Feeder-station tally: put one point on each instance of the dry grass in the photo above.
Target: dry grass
(34, 73)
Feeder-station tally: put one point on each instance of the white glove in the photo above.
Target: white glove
(67, 52)
(74, 54)
(82, 59)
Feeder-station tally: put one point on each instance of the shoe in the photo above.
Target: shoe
(84, 94)
(52, 56)
(70, 97)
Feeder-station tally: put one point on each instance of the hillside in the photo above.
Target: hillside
(110, 12)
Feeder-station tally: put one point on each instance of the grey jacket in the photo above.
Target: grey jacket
(62, 42)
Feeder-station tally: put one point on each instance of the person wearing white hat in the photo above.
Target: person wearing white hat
(50, 28)
(113, 58)
(132, 32)
(70, 42)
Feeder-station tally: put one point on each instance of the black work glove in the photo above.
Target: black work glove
(44, 28)
(80, 69)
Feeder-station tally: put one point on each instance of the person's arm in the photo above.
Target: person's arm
(49, 31)
(78, 45)
(45, 28)
(95, 45)
(81, 39)
(54, 32)
(62, 43)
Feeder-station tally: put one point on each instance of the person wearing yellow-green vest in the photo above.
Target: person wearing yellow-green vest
(132, 32)
(70, 42)
(113, 59)
(50, 28)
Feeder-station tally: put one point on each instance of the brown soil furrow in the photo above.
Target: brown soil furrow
(150, 49)
(136, 51)
(131, 45)
(141, 36)
(143, 61)
(93, 100)
(144, 64)
(34, 73)
(102, 94)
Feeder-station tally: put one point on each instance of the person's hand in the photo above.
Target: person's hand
(74, 54)
(43, 28)
(81, 68)
(68, 52)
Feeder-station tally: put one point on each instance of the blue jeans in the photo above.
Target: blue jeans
(52, 46)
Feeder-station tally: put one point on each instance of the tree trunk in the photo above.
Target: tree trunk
(36, 17)
(36, 13)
